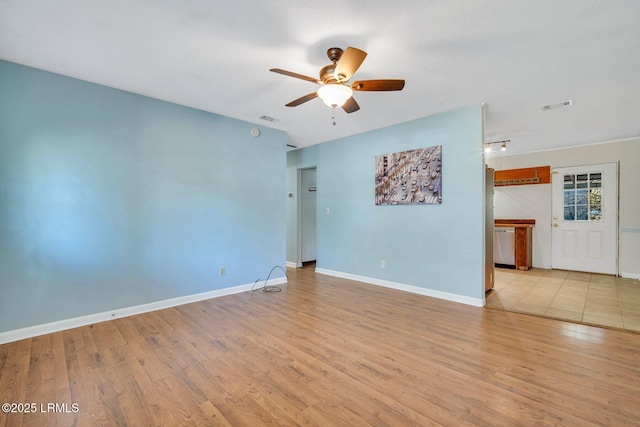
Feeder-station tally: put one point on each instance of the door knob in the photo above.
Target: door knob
(555, 224)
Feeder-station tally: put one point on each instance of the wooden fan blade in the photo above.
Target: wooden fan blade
(349, 62)
(296, 75)
(377, 85)
(302, 99)
(350, 105)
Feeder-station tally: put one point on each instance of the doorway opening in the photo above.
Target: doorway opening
(581, 283)
(307, 208)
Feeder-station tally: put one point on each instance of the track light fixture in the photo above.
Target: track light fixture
(489, 145)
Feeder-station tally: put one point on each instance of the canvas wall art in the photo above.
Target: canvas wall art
(409, 177)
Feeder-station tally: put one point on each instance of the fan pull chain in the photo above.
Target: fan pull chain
(333, 115)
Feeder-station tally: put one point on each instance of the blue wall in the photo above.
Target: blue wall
(110, 199)
(437, 247)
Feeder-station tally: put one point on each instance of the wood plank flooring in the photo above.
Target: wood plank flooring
(326, 352)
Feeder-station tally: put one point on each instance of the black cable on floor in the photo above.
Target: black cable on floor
(272, 288)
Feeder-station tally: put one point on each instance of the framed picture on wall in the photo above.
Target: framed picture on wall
(410, 177)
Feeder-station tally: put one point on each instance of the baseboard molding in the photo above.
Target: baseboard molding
(476, 302)
(630, 275)
(291, 264)
(47, 328)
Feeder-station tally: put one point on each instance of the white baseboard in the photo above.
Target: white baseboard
(47, 328)
(630, 275)
(291, 264)
(476, 302)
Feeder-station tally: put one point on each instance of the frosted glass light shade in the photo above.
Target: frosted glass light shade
(335, 95)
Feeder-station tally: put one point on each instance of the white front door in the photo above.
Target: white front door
(584, 234)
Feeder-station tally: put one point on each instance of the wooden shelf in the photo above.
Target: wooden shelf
(524, 176)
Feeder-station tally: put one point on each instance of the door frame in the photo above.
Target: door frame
(299, 218)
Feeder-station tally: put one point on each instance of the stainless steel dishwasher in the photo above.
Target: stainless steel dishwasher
(504, 247)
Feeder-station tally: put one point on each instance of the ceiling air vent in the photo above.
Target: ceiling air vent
(558, 105)
(269, 119)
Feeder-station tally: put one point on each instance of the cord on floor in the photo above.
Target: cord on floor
(272, 288)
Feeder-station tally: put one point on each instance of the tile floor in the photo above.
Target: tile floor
(568, 295)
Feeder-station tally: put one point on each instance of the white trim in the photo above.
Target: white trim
(299, 216)
(476, 302)
(61, 325)
(630, 275)
(291, 264)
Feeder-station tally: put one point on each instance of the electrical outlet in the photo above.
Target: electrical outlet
(327, 211)
(223, 271)
(383, 264)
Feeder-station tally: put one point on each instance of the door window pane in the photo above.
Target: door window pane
(569, 213)
(569, 197)
(583, 197)
(581, 212)
(582, 181)
(569, 182)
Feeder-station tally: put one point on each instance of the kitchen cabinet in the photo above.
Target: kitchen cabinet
(522, 246)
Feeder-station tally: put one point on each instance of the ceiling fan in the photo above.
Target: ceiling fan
(335, 90)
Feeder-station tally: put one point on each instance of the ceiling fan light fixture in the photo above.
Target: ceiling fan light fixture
(334, 90)
(335, 95)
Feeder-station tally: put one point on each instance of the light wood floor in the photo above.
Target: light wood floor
(594, 299)
(327, 352)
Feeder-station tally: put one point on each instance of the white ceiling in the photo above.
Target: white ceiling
(214, 55)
